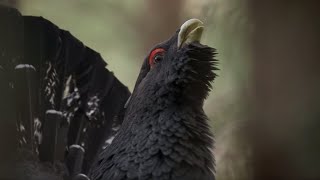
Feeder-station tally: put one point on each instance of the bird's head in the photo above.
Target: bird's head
(164, 122)
(180, 69)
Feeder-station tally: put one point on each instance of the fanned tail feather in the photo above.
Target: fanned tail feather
(60, 104)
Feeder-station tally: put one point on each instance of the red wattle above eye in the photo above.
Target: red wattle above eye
(153, 54)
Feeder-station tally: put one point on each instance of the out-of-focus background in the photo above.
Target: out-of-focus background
(264, 107)
(124, 32)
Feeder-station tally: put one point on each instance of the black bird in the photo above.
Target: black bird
(61, 107)
(165, 132)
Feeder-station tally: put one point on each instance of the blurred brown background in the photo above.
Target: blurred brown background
(264, 107)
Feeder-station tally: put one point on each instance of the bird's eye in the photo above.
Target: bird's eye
(156, 56)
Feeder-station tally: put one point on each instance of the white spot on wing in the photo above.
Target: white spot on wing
(52, 111)
(82, 175)
(52, 99)
(24, 140)
(21, 128)
(37, 123)
(37, 130)
(67, 87)
(90, 113)
(51, 81)
(93, 107)
(109, 141)
(25, 66)
(38, 136)
(49, 68)
(77, 147)
(116, 128)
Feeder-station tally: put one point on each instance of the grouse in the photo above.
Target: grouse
(165, 132)
(62, 108)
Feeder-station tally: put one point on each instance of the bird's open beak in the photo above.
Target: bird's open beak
(190, 31)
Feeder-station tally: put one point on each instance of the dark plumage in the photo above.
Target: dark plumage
(165, 133)
(58, 101)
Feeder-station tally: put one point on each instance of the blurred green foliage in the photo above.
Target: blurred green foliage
(109, 27)
(97, 25)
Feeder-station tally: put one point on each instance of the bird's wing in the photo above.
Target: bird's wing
(63, 104)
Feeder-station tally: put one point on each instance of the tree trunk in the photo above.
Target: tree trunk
(284, 128)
